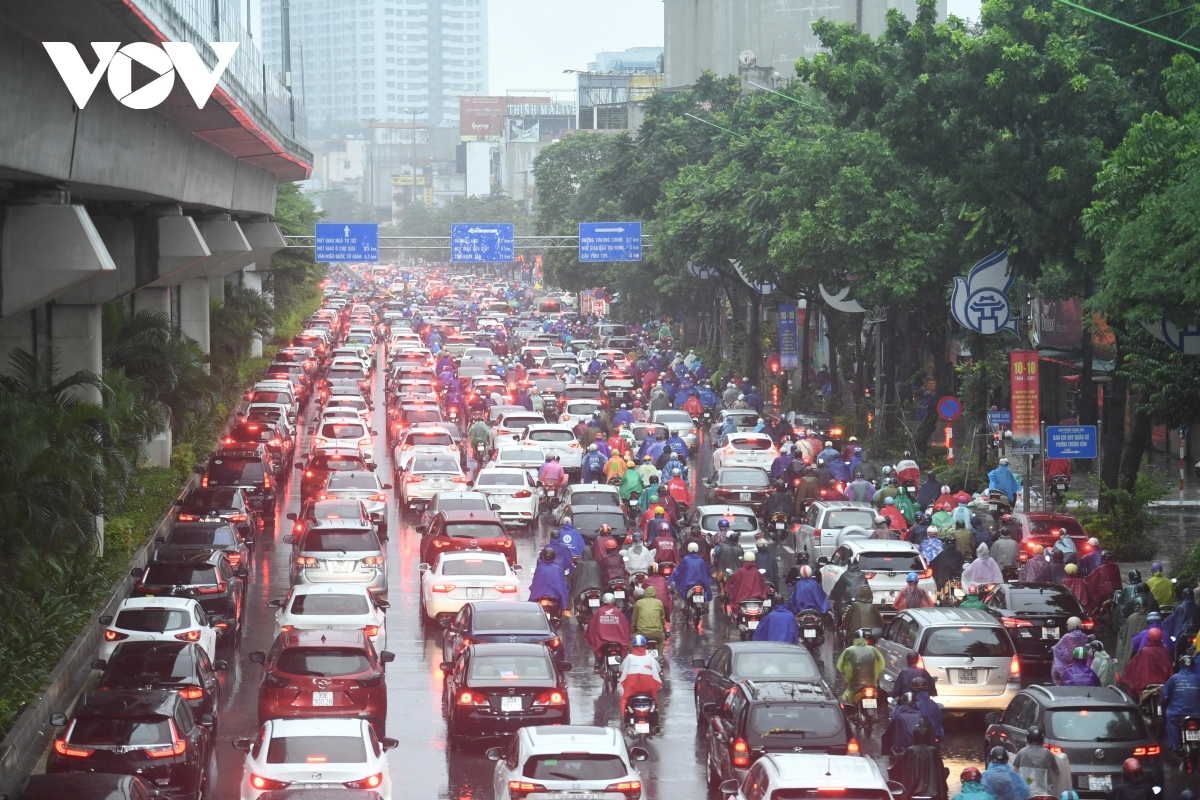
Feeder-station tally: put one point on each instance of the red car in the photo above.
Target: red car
(323, 673)
(1045, 528)
(466, 530)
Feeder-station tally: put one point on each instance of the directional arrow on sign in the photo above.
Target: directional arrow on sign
(346, 231)
(610, 230)
(483, 230)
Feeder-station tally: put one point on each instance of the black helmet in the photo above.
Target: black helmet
(862, 633)
(997, 755)
(1106, 556)
(919, 685)
(1135, 577)
(554, 534)
(1035, 736)
(548, 555)
(912, 659)
(1139, 602)
(1186, 661)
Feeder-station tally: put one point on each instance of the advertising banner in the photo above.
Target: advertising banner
(789, 339)
(1026, 402)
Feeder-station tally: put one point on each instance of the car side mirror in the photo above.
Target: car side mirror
(470, 484)
(99, 664)
(517, 568)
(897, 789)
(383, 605)
(709, 709)
(446, 623)
(387, 486)
(207, 720)
(298, 465)
(387, 657)
(176, 502)
(160, 540)
(446, 666)
(423, 567)
(198, 469)
(220, 665)
(495, 753)
(422, 528)
(371, 468)
(250, 542)
(137, 572)
(389, 744)
(311, 431)
(289, 539)
(258, 657)
(106, 619)
(275, 604)
(242, 572)
(992, 718)
(516, 437)
(564, 666)
(495, 506)
(58, 719)
(292, 516)
(243, 744)
(639, 753)
(729, 787)
(699, 663)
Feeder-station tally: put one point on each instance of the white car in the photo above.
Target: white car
(512, 424)
(526, 455)
(809, 775)
(422, 441)
(349, 402)
(336, 432)
(746, 420)
(741, 519)
(679, 423)
(886, 564)
(334, 607)
(158, 619)
(315, 753)
(428, 475)
(575, 410)
(479, 352)
(513, 490)
(744, 450)
(568, 761)
(466, 576)
(556, 439)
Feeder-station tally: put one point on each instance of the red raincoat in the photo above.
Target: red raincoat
(745, 584)
(1151, 665)
(607, 625)
(1102, 582)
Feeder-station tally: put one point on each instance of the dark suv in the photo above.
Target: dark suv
(205, 577)
(247, 467)
(181, 667)
(149, 733)
(229, 504)
(1096, 729)
(773, 717)
(1035, 615)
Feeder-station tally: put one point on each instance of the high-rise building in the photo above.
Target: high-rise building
(633, 59)
(384, 60)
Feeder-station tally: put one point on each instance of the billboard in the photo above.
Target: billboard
(1026, 402)
(481, 117)
(789, 356)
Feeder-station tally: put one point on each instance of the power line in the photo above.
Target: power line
(1129, 25)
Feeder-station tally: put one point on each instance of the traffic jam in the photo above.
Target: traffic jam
(461, 541)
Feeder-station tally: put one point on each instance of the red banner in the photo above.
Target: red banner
(1026, 402)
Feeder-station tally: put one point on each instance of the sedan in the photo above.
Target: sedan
(556, 440)
(678, 423)
(1036, 616)
(462, 577)
(512, 424)
(528, 456)
(319, 465)
(314, 510)
(565, 760)
(744, 450)
(316, 753)
(453, 501)
(422, 441)
(747, 486)
(159, 619)
(495, 689)
(512, 493)
(333, 433)
(428, 475)
(320, 673)
(499, 622)
(364, 487)
(574, 410)
(182, 667)
(332, 607)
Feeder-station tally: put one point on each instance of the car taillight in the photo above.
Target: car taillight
(869, 575)
(415, 478)
(551, 699)
(730, 451)
(187, 518)
(443, 588)
(523, 493)
(373, 561)
(505, 588)
(1088, 624)
(1013, 622)
(365, 440)
(470, 699)
(306, 561)
(627, 788)
(234, 559)
(114, 636)
(927, 573)
(852, 748)
(286, 628)
(1053, 748)
(371, 782)
(237, 518)
(191, 693)
(266, 784)
(518, 789)
(920, 662)
(176, 748)
(554, 642)
(189, 636)
(1150, 750)
(459, 479)
(371, 630)
(817, 533)
(1014, 669)
(741, 753)
(64, 749)
(378, 498)
(220, 587)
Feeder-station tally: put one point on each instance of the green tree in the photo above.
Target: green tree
(295, 275)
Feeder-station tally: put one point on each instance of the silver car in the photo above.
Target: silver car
(820, 531)
(679, 423)
(364, 486)
(426, 476)
(967, 651)
(512, 493)
(340, 551)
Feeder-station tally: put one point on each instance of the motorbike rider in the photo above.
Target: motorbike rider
(862, 614)
(973, 600)
(662, 590)
(908, 473)
(551, 473)
(913, 670)
(722, 534)
(1180, 697)
(1152, 665)
(640, 673)
(607, 626)
(631, 482)
(1134, 624)
(614, 468)
(593, 465)
(692, 571)
(1037, 569)
(696, 537)
(1002, 479)
(780, 464)
(778, 626)
(1001, 780)
(972, 789)
(612, 566)
(728, 560)
(1004, 550)
(1092, 559)
(930, 490)
(1134, 785)
(564, 555)
(649, 616)
(807, 593)
(600, 545)
(1161, 587)
(550, 581)
(586, 576)
(638, 557)
(983, 570)
(1036, 764)
(765, 562)
(478, 434)
(745, 584)
(906, 718)
(860, 489)
(912, 595)
(882, 529)
(780, 502)
(1076, 585)
(848, 587)
(807, 492)
(666, 549)
(861, 664)
(1066, 545)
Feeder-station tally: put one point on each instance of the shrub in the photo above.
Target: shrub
(1125, 529)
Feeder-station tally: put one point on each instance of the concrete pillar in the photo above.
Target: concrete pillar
(193, 310)
(17, 333)
(216, 289)
(253, 281)
(46, 251)
(153, 298)
(75, 335)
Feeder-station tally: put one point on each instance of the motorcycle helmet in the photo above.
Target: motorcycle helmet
(760, 543)
(912, 577)
(1131, 768)
(723, 524)
(827, 444)
(919, 685)
(907, 699)
(997, 755)
(862, 633)
(749, 558)
(566, 521)
(637, 536)
(1154, 635)
(880, 519)
(1035, 735)
(665, 527)
(1004, 462)
(806, 571)
(638, 641)
(1186, 661)
(858, 451)
(887, 470)
(554, 534)
(592, 447)
(1155, 567)
(971, 774)
(1073, 623)
(608, 598)
(548, 555)
(604, 529)
(659, 510)
(1006, 518)
(638, 593)
(1139, 602)
(693, 547)
(611, 544)
(1095, 645)
(733, 537)
(1135, 577)
(780, 485)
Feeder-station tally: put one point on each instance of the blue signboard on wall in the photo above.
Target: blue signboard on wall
(1071, 441)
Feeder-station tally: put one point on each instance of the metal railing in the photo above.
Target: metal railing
(443, 242)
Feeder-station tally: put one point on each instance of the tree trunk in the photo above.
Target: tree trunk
(831, 329)
(1135, 447)
(754, 350)
(1114, 431)
(943, 375)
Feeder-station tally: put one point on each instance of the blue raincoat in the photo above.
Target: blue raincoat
(1180, 698)
(1005, 783)
(807, 593)
(692, 571)
(549, 581)
(623, 417)
(839, 469)
(778, 626)
(678, 447)
(1002, 478)
(562, 554)
(569, 535)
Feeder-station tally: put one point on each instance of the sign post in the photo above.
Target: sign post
(949, 408)
(610, 241)
(346, 241)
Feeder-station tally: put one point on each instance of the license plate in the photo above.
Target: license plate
(1049, 633)
(641, 727)
(778, 526)
(870, 702)
(1191, 736)
(766, 603)
(575, 796)
(968, 676)
(322, 698)
(619, 595)
(614, 661)
(593, 602)
(743, 495)
(474, 593)
(1099, 783)
(510, 704)
(753, 624)
(698, 599)
(652, 652)
(810, 634)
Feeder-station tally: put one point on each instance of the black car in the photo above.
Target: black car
(183, 667)
(245, 467)
(494, 689)
(322, 463)
(773, 717)
(588, 519)
(204, 537)
(1035, 615)
(152, 734)
(206, 577)
(270, 435)
(1095, 728)
(499, 622)
(735, 662)
(229, 504)
(87, 786)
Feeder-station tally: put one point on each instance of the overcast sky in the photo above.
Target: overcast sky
(531, 42)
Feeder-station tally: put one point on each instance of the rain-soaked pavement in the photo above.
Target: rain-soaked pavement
(424, 766)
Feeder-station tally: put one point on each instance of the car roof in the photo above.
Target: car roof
(509, 648)
(177, 556)
(550, 426)
(543, 739)
(128, 702)
(473, 555)
(792, 691)
(937, 617)
(472, 516)
(316, 636)
(880, 545)
(317, 726)
(500, 608)
(1064, 696)
(157, 602)
(744, 511)
(340, 522)
(836, 504)
(329, 588)
(797, 770)
(469, 495)
(594, 487)
(594, 508)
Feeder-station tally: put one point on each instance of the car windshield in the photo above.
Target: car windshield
(590, 522)
(681, 417)
(180, 575)
(750, 444)
(345, 541)
(548, 384)
(500, 479)
(153, 620)
(575, 767)
(196, 536)
(343, 430)
(748, 420)
(434, 464)
(842, 518)
(1051, 600)
(338, 463)
(511, 668)
(520, 423)
(204, 500)
(335, 509)
(462, 504)
(134, 666)
(352, 480)
(551, 436)
(283, 398)
(474, 566)
(1055, 527)
(430, 440)
(1095, 725)
(227, 469)
(520, 456)
(317, 750)
(330, 605)
(424, 415)
(967, 641)
(323, 662)
(744, 477)
(801, 719)
(510, 619)
(121, 731)
(737, 522)
(582, 409)
(596, 499)
(890, 562)
(776, 666)
(474, 530)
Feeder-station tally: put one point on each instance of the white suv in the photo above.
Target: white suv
(787, 775)
(543, 756)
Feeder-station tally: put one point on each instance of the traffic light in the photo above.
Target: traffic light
(773, 363)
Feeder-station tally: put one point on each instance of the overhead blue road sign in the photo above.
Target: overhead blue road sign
(481, 242)
(949, 408)
(347, 241)
(610, 241)
(1071, 441)
(999, 418)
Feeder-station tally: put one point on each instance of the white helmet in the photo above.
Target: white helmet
(829, 444)
(591, 447)
(880, 518)
(693, 547)
(749, 557)
(1004, 462)
(741, 397)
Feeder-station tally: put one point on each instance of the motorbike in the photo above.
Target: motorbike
(552, 609)
(680, 494)
(586, 605)
(641, 717)
(998, 504)
(697, 606)
(481, 454)
(631, 508)
(778, 524)
(618, 591)
(1152, 710)
(549, 499)
(952, 593)
(653, 650)
(611, 658)
(812, 629)
(1056, 488)
(749, 614)
(1189, 744)
(864, 710)
(706, 416)
(665, 568)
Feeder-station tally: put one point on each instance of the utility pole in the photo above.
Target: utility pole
(412, 161)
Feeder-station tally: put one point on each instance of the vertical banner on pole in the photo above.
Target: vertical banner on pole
(1026, 403)
(789, 351)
